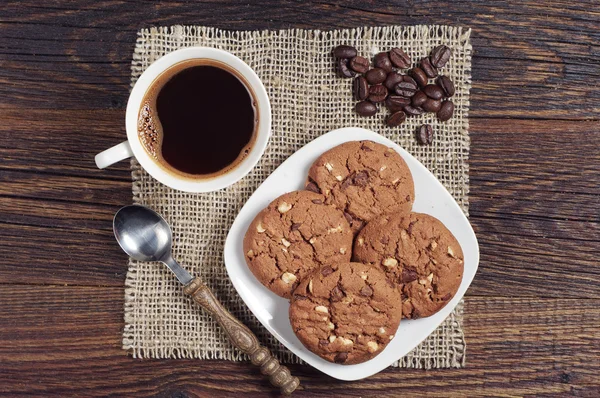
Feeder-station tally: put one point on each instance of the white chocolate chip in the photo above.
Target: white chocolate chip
(346, 341)
(343, 250)
(383, 168)
(285, 242)
(283, 249)
(288, 278)
(361, 241)
(364, 276)
(250, 253)
(433, 245)
(348, 299)
(422, 282)
(321, 308)
(451, 252)
(430, 277)
(310, 286)
(395, 181)
(336, 229)
(372, 346)
(260, 228)
(332, 338)
(391, 336)
(312, 240)
(339, 178)
(403, 235)
(284, 207)
(382, 330)
(328, 166)
(331, 326)
(324, 318)
(390, 262)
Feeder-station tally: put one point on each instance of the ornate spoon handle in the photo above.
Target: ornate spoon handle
(243, 338)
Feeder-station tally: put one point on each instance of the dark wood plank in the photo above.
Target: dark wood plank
(66, 341)
(80, 52)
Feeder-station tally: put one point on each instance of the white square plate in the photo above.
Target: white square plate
(272, 311)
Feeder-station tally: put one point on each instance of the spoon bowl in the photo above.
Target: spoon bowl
(143, 234)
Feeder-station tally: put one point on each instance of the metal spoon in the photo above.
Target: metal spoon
(145, 236)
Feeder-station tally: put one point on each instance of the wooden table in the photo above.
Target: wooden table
(532, 314)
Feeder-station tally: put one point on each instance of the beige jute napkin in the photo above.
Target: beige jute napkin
(307, 100)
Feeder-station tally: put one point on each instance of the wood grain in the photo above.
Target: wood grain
(532, 312)
(516, 347)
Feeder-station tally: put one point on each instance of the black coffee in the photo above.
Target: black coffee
(198, 118)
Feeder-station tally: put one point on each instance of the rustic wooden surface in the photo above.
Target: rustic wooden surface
(532, 314)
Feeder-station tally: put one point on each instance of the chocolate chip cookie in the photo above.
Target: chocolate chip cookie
(346, 313)
(295, 234)
(364, 179)
(418, 252)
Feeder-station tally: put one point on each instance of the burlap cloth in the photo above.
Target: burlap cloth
(307, 100)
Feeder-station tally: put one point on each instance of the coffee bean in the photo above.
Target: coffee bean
(382, 60)
(396, 103)
(376, 76)
(360, 88)
(395, 119)
(326, 271)
(446, 111)
(419, 98)
(359, 64)
(361, 179)
(399, 58)
(425, 135)
(336, 293)
(413, 110)
(392, 79)
(377, 93)
(432, 105)
(446, 85)
(406, 89)
(409, 79)
(419, 76)
(366, 291)
(344, 51)
(440, 55)
(429, 69)
(343, 70)
(433, 91)
(366, 108)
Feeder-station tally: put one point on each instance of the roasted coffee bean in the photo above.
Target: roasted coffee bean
(419, 76)
(409, 79)
(359, 64)
(366, 108)
(433, 91)
(432, 105)
(406, 89)
(366, 291)
(429, 69)
(413, 110)
(419, 98)
(392, 79)
(446, 85)
(408, 275)
(377, 93)
(425, 135)
(440, 55)
(399, 58)
(395, 119)
(376, 76)
(446, 111)
(343, 70)
(396, 103)
(344, 51)
(326, 271)
(360, 88)
(382, 60)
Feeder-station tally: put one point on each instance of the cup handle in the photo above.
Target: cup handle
(113, 155)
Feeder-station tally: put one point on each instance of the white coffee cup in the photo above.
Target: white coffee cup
(133, 146)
